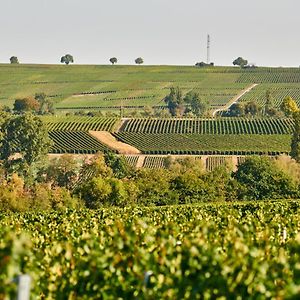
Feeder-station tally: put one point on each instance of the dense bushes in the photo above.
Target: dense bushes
(106, 180)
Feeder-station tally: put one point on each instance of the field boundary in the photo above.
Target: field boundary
(109, 140)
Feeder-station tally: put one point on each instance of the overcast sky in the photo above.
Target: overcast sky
(266, 32)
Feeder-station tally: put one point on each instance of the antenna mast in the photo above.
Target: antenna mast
(208, 49)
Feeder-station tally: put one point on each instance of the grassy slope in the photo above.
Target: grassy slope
(123, 85)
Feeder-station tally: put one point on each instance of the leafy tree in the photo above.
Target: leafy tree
(62, 171)
(118, 165)
(68, 58)
(14, 60)
(26, 104)
(236, 110)
(25, 141)
(113, 60)
(198, 107)
(295, 144)
(289, 106)
(251, 108)
(45, 105)
(175, 101)
(269, 109)
(260, 178)
(139, 61)
(240, 62)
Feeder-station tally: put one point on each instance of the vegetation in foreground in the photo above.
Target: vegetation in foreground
(211, 251)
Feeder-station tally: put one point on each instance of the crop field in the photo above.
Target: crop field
(278, 92)
(77, 123)
(209, 126)
(77, 142)
(207, 144)
(204, 251)
(79, 87)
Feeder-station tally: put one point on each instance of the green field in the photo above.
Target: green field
(206, 251)
(207, 144)
(107, 88)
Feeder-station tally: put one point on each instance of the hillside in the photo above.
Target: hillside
(79, 87)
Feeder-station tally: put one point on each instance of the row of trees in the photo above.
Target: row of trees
(251, 108)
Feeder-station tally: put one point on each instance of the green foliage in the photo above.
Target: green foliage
(240, 62)
(175, 102)
(118, 165)
(173, 252)
(236, 110)
(197, 106)
(289, 106)
(260, 178)
(139, 61)
(295, 144)
(14, 60)
(26, 104)
(25, 141)
(252, 109)
(113, 60)
(68, 58)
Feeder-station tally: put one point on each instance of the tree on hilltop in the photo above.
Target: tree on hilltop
(68, 58)
(139, 61)
(14, 60)
(113, 60)
(240, 62)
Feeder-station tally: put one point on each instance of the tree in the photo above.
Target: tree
(198, 107)
(289, 106)
(113, 60)
(260, 178)
(45, 105)
(139, 61)
(68, 58)
(269, 109)
(14, 60)
(295, 144)
(236, 110)
(25, 141)
(240, 62)
(175, 101)
(251, 108)
(26, 104)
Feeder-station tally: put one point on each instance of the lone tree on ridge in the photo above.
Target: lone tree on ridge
(68, 58)
(240, 62)
(14, 60)
(113, 60)
(139, 61)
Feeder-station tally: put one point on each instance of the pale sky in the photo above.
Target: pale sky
(266, 32)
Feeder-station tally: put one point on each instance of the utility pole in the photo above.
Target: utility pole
(208, 49)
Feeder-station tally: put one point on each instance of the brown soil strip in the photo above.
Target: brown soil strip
(106, 138)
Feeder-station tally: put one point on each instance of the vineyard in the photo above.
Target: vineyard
(207, 144)
(209, 126)
(278, 92)
(76, 142)
(76, 123)
(206, 251)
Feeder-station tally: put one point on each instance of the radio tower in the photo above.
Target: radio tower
(208, 49)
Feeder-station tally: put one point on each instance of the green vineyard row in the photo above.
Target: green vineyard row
(205, 251)
(207, 144)
(79, 123)
(209, 126)
(77, 142)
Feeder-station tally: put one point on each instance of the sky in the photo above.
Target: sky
(162, 32)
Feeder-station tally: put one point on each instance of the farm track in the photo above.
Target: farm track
(234, 99)
(107, 139)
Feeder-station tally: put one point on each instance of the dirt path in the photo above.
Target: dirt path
(235, 99)
(106, 138)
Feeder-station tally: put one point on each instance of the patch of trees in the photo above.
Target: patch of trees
(179, 105)
(203, 64)
(14, 60)
(139, 61)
